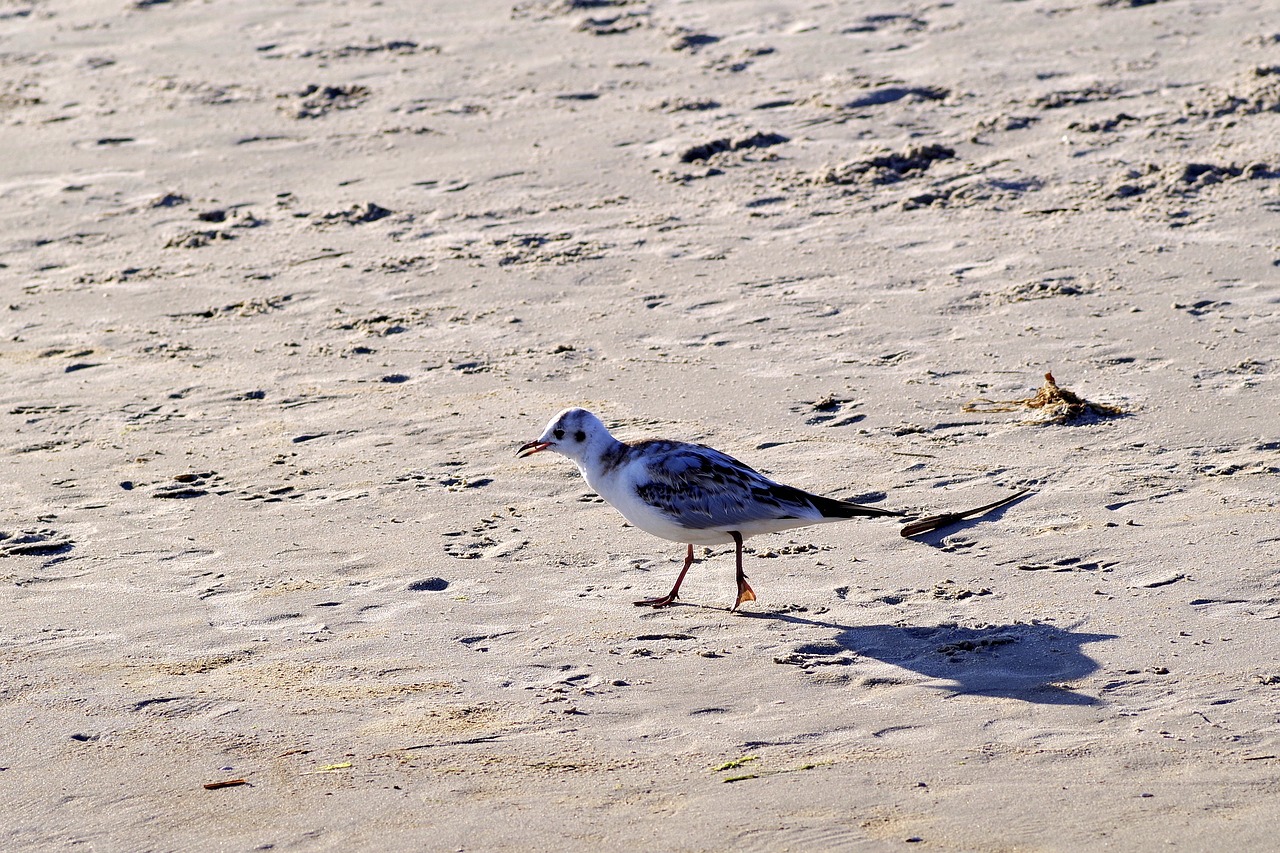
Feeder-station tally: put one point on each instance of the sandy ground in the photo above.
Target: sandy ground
(284, 285)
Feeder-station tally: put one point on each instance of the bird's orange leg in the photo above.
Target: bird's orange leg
(745, 592)
(670, 597)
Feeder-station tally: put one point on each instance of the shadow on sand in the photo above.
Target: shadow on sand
(1024, 661)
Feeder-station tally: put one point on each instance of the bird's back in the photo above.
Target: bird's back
(694, 493)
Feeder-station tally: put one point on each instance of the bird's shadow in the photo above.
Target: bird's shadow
(1027, 661)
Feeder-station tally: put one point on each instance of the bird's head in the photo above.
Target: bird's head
(575, 433)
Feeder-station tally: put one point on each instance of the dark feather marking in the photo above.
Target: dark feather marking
(613, 457)
(833, 508)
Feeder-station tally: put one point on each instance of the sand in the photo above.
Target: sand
(286, 284)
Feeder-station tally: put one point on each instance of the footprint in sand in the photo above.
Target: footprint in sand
(831, 411)
(187, 485)
(33, 543)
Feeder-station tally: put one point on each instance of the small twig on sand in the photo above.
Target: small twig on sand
(934, 522)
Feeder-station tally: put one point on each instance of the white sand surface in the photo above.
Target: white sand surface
(284, 285)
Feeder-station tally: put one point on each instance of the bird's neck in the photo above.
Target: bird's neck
(602, 462)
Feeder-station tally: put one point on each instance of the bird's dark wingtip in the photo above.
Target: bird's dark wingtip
(832, 508)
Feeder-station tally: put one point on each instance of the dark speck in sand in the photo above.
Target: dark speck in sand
(429, 585)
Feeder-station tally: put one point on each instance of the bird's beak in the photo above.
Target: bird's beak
(532, 448)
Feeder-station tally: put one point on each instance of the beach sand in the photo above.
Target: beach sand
(284, 286)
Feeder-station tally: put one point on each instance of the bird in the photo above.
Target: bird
(687, 493)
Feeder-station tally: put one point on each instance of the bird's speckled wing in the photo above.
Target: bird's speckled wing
(699, 487)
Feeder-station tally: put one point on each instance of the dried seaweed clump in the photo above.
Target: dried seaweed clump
(1057, 405)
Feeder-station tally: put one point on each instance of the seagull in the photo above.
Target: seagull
(687, 493)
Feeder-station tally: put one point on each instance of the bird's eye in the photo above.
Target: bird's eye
(579, 436)
(559, 434)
